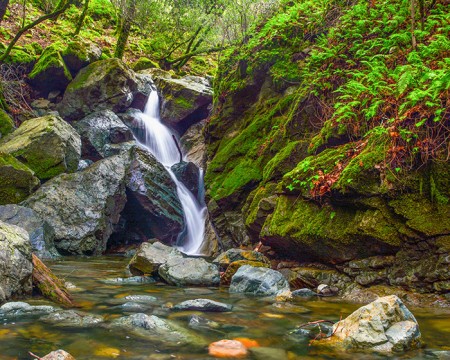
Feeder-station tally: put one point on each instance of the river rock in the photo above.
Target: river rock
(20, 308)
(384, 325)
(17, 180)
(72, 318)
(193, 144)
(58, 355)
(204, 305)
(154, 207)
(40, 232)
(227, 349)
(189, 174)
(83, 207)
(304, 293)
(98, 130)
(47, 145)
(267, 353)
(149, 257)
(189, 271)
(233, 255)
(234, 267)
(258, 281)
(15, 262)
(102, 85)
(133, 280)
(141, 298)
(326, 290)
(199, 323)
(185, 101)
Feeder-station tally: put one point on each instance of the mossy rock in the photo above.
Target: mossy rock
(47, 145)
(233, 255)
(19, 56)
(78, 55)
(225, 279)
(6, 123)
(17, 181)
(50, 72)
(144, 63)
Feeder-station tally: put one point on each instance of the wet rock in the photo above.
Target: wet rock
(133, 280)
(385, 325)
(211, 245)
(258, 281)
(15, 262)
(141, 298)
(438, 354)
(83, 207)
(149, 257)
(84, 164)
(20, 308)
(326, 290)
(189, 271)
(233, 255)
(18, 181)
(204, 305)
(58, 355)
(304, 293)
(267, 353)
(40, 232)
(189, 174)
(227, 349)
(234, 267)
(193, 144)
(103, 85)
(131, 306)
(47, 145)
(199, 323)
(98, 131)
(72, 318)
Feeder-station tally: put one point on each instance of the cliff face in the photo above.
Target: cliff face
(329, 142)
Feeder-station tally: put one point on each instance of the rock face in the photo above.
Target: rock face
(98, 130)
(47, 145)
(189, 271)
(83, 207)
(194, 145)
(40, 232)
(184, 101)
(16, 180)
(15, 262)
(384, 325)
(258, 281)
(103, 85)
(189, 174)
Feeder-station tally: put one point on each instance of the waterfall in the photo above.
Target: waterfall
(157, 138)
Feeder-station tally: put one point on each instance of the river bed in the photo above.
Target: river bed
(254, 318)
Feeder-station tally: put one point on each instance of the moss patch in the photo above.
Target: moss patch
(6, 123)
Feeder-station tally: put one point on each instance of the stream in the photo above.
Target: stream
(253, 318)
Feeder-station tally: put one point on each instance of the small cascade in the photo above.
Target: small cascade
(158, 139)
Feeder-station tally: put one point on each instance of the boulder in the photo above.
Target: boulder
(258, 281)
(229, 349)
(189, 174)
(98, 130)
(141, 298)
(185, 101)
(41, 233)
(233, 255)
(58, 355)
(50, 73)
(326, 290)
(193, 143)
(20, 308)
(72, 318)
(6, 123)
(149, 257)
(305, 292)
(15, 262)
(385, 325)
(17, 181)
(103, 85)
(211, 245)
(78, 55)
(189, 271)
(133, 280)
(204, 305)
(226, 277)
(84, 207)
(47, 145)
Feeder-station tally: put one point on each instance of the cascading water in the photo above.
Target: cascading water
(158, 139)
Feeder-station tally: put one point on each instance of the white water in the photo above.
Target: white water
(159, 141)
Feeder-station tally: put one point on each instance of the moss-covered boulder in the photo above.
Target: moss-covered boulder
(6, 123)
(22, 56)
(47, 145)
(103, 85)
(50, 72)
(225, 279)
(16, 180)
(16, 266)
(78, 55)
(144, 63)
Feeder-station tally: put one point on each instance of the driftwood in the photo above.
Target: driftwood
(49, 285)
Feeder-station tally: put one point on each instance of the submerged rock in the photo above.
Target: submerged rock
(20, 308)
(58, 355)
(47, 145)
(227, 349)
(204, 305)
(199, 323)
(72, 318)
(141, 298)
(267, 353)
(40, 232)
(385, 325)
(15, 262)
(133, 280)
(304, 293)
(258, 281)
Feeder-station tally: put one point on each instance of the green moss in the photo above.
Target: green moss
(144, 63)
(182, 102)
(252, 206)
(6, 123)
(19, 56)
(50, 58)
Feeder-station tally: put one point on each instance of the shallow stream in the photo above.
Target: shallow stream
(253, 318)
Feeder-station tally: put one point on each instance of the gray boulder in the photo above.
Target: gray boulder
(83, 207)
(193, 144)
(40, 232)
(20, 308)
(15, 262)
(47, 145)
(199, 323)
(189, 271)
(385, 325)
(258, 281)
(204, 305)
(141, 298)
(72, 318)
(304, 293)
(98, 130)
(103, 85)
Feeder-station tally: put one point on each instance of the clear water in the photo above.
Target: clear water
(251, 317)
(158, 139)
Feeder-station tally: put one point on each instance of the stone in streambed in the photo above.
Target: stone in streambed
(233, 255)
(199, 323)
(304, 293)
(204, 305)
(72, 318)
(258, 281)
(227, 349)
(234, 267)
(189, 271)
(58, 355)
(20, 308)
(133, 280)
(141, 298)
(267, 353)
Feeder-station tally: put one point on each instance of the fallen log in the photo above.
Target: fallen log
(49, 285)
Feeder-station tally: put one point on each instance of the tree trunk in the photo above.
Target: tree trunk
(3, 7)
(125, 28)
(413, 24)
(82, 17)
